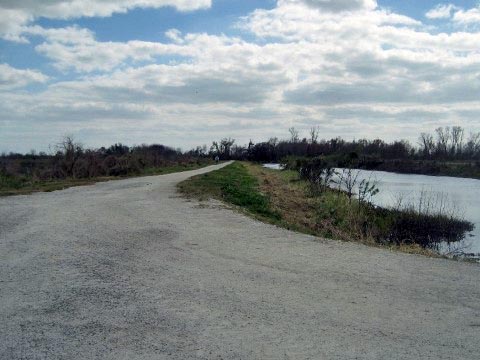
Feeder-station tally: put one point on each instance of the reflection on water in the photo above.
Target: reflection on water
(273, 166)
(461, 195)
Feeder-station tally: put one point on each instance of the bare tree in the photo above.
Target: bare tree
(314, 132)
(348, 181)
(199, 150)
(273, 141)
(294, 135)
(223, 148)
(443, 139)
(215, 148)
(428, 144)
(472, 147)
(226, 146)
(457, 140)
(71, 152)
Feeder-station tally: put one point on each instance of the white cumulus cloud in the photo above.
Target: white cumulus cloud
(11, 78)
(441, 11)
(15, 14)
(471, 16)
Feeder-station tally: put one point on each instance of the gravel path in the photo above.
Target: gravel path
(129, 270)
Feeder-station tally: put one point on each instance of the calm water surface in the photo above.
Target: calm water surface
(462, 196)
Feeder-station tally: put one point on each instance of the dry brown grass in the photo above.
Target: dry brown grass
(287, 197)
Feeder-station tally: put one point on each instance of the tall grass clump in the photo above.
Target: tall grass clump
(430, 220)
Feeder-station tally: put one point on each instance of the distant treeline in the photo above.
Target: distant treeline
(446, 144)
(71, 160)
(449, 151)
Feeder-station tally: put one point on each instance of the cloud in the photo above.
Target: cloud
(174, 35)
(77, 49)
(466, 17)
(185, 84)
(11, 78)
(353, 68)
(458, 15)
(15, 14)
(334, 5)
(441, 11)
(297, 21)
(12, 22)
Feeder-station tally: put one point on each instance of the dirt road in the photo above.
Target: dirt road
(129, 270)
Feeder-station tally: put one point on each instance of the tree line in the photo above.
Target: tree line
(446, 143)
(70, 159)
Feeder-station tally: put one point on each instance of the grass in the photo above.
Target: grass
(330, 215)
(233, 184)
(10, 185)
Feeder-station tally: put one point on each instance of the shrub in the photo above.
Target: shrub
(10, 182)
(317, 172)
(409, 227)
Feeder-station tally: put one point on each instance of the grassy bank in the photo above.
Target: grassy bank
(233, 184)
(18, 185)
(282, 198)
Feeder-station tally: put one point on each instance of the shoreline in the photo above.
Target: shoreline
(287, 198)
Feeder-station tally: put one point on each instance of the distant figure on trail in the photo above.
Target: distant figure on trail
(217, 159)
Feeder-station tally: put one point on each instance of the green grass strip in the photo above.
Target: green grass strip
(232, 184)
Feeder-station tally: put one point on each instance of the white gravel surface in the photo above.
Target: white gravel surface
(129, 270)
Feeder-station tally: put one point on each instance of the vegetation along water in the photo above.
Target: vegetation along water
(291, 199)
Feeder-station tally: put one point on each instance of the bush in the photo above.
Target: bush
(11, 182)
(410, 226)
(428, 223)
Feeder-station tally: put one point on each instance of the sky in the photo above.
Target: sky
(186, 72)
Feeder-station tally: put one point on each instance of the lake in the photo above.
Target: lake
(462, 196)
